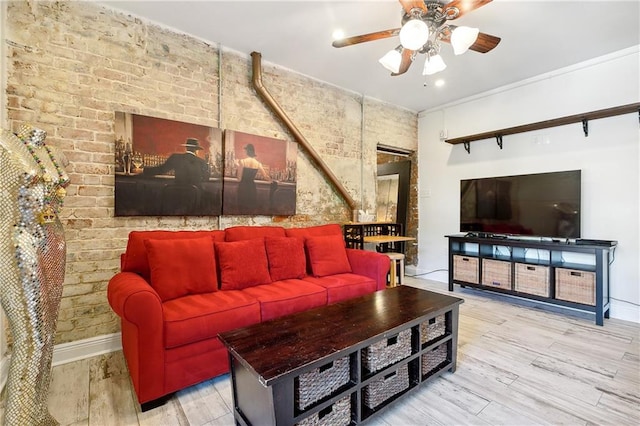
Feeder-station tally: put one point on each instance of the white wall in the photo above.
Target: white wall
(609, 159)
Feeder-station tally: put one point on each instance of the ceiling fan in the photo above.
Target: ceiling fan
(424, 26)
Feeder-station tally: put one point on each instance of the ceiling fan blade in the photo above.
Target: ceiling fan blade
(348, 41)
(408, 5)
(464, 6)
(483, 44)
(407, 59)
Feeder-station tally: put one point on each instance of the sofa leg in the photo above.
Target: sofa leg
(150, 405)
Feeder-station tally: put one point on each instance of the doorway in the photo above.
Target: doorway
(393, 192)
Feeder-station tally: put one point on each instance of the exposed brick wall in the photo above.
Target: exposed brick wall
(72, 65)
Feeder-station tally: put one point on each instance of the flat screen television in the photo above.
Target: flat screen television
(540, 205)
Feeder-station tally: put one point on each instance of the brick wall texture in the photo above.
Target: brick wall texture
(72, 65)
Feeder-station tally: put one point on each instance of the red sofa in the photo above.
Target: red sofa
(178, 289)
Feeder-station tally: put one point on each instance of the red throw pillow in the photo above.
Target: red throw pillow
(242, 264)
(286, 257)
(328, 255)
(181, 266)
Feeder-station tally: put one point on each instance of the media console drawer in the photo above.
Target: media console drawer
(496, 273)
(576, 286)
(532, 279)
(465, 268)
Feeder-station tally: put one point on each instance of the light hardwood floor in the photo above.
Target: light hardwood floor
(518, 364)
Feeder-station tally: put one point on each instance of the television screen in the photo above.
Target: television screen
(541, 205)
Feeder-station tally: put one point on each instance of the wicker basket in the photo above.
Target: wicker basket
(433, 359)
(378, 391)
(576, 286)
(432, 329)
(532, 279)
(387, 351)
(496, 273)
(338, 414)
(465, 268)
(320, 382)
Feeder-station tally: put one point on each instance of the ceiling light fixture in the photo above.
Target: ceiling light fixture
(433, 64)
(424, 27)
(462, 38)
(423, 31)
(414, 34)
(392, 59)
(337, 34)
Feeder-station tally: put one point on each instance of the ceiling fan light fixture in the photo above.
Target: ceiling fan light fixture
(433, 64)
(414, 34)
(462, 38)
(392, 59)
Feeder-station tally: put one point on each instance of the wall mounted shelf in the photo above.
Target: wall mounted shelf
(577, 118)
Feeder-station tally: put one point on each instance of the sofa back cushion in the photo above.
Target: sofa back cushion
(314, 231)
(327, 255)
(286, 257)
(180, 267)
(135, 258)
(240, 233)
(242, 264)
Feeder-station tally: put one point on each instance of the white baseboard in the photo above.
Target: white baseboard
(86, 348)
(626, 311)
(73, 351)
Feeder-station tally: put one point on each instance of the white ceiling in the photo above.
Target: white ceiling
(537, 37)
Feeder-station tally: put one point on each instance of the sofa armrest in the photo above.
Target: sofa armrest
(133, 299)
(140, 310)
(370, 264)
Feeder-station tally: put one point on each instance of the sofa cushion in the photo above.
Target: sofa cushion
(327, 255)
(344, 286)
(135, 259)
(239, 233)
(179, 267)
(287, 297)
(314, 231)
(198, 317)
(286, 257)
(242, 264)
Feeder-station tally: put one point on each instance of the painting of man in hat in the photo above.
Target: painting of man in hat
(188, 168)
(166, 167)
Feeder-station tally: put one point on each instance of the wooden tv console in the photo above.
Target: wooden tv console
(570, 273)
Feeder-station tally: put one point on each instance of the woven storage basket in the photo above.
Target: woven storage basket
(496, 273)
(532, 279)
(465, 268)
(320, 382)
(378, 391)
(432, 329)
(576, 286)
(338, 414)
(387, 351)
(432, 359)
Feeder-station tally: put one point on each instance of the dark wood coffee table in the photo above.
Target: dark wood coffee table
(342, 363)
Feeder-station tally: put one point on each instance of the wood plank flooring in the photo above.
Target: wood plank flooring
(518, 364)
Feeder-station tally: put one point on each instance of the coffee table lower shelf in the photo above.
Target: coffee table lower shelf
(352, 378)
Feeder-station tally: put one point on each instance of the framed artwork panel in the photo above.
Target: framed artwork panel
(166, 167)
